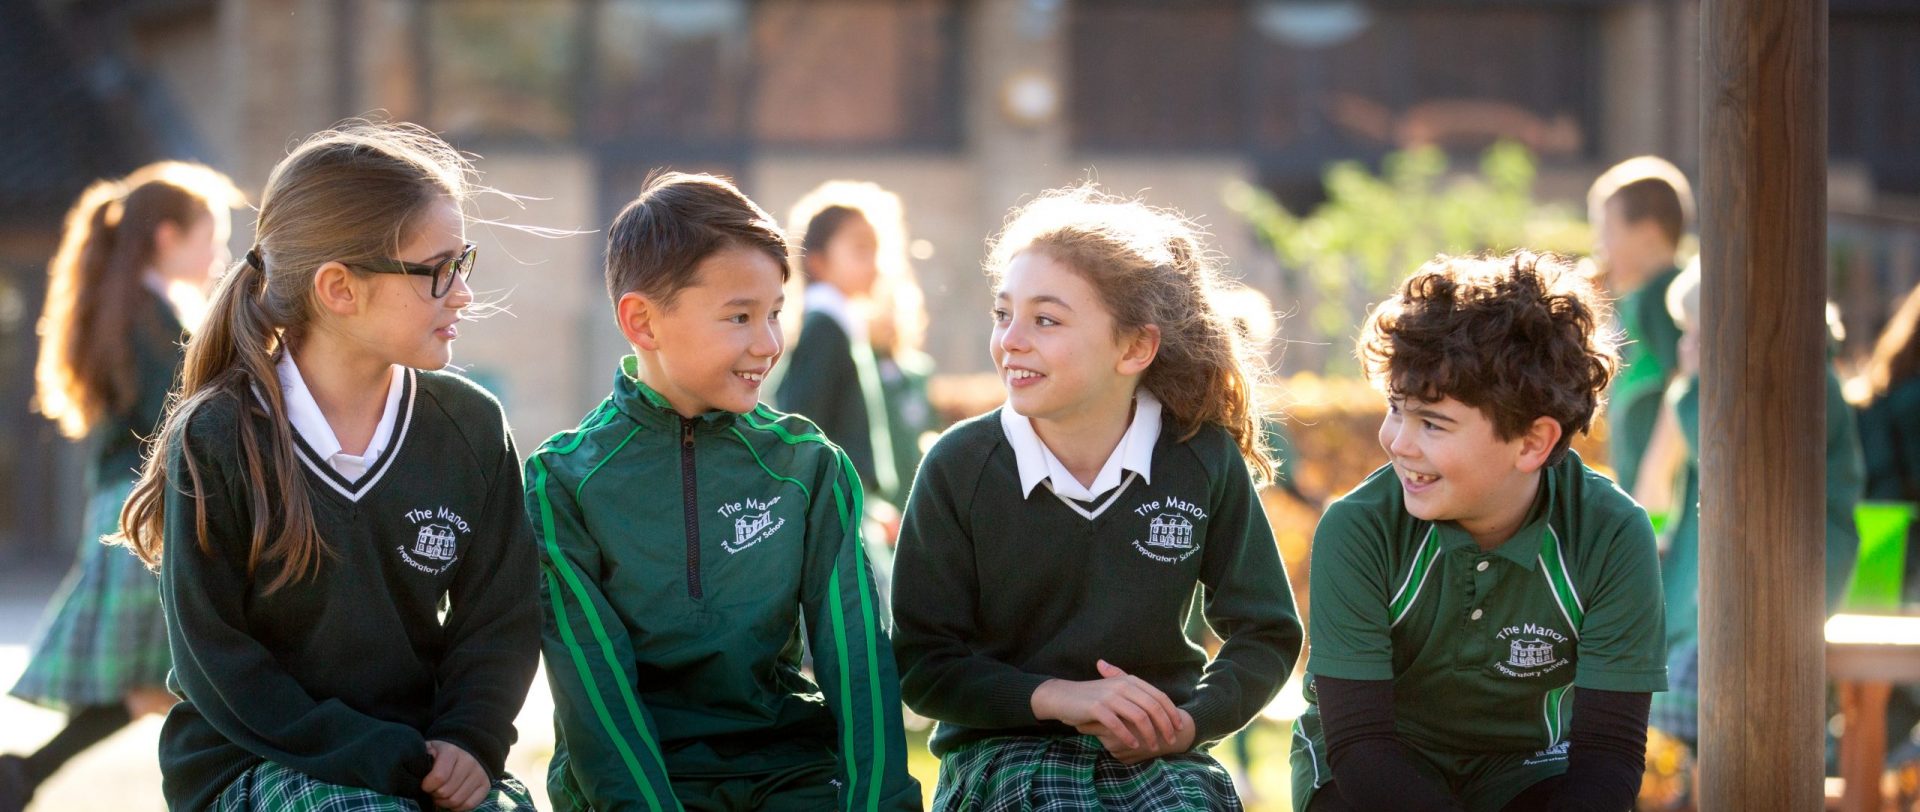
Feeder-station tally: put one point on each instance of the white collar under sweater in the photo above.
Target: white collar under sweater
(824, 298)
(1037, 463)
(304, 413)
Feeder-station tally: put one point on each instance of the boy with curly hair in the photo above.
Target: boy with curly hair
(1486, 631)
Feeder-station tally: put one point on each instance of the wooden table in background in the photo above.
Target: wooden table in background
(1866, 656)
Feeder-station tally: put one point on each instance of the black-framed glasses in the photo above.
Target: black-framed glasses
(442, 273)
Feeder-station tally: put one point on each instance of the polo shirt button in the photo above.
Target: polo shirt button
(1476, 614)
(1482, 567)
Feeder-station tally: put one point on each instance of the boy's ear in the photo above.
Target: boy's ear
(337, 290)
(1140, 350)
(637, 315)
(1537, 444)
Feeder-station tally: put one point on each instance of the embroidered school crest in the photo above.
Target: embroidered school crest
(1170, 529)
(436, 539)
(1530, 653)
(753, 522)
(1533, 649)
(436, 542)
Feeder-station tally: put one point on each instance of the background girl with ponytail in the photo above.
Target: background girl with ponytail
(1051, 549)
(321, 492)
(110, 350)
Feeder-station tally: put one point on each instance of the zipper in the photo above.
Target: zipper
(689, 498)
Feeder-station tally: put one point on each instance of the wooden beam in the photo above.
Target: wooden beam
(1763, 357)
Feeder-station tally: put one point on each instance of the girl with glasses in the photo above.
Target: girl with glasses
(348, 576)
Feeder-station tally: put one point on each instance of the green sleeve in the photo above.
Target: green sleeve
(492, 627)
(1659, 336)
(1622, 645)
(1350, 626)
(612, 744)
(936, 594)
(1249, 605)
(1650, 358)
(851, 653)
(229, 676)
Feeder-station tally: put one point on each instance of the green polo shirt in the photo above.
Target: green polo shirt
(1482, 645)
(1648, 361)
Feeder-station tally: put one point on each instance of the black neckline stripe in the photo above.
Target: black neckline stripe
(354, 489)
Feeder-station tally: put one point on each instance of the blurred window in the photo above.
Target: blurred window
(857, 72)
(668, 72)
(501, 68)
(1873, 94)
(1303, 83)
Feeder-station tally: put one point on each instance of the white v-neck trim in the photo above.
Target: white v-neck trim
(319, 448)
(1132, 457)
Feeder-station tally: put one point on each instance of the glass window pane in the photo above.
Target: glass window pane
(502, 67)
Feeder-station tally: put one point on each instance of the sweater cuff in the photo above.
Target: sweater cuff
(1214, 717)
(1011, 699)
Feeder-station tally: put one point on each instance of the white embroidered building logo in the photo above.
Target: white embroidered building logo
(436, 539)
(750, 528)
(1170, 531)
(1530, 653)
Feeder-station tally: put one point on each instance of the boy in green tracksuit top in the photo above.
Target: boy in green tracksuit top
(686, 531)
(1486, 628)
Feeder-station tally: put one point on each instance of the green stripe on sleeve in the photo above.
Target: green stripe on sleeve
(557, 562)
(1416, 578)
(850, 517)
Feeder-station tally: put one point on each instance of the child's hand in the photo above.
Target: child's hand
(1130, 709)
(1182, 741)
(457, 781)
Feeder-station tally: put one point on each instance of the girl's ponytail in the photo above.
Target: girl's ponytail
(234, 356)
(82, 372)
(95, 295)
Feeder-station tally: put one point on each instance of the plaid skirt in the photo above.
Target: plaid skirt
(1073, 773)
(270, 787)
(1676, 711)
(104, 635)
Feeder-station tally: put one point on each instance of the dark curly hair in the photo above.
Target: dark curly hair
(1515, 336)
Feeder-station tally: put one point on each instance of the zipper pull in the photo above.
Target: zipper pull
(686, 432)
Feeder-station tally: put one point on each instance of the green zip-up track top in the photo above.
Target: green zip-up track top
(679, 558)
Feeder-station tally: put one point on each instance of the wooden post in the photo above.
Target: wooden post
(1763, 207)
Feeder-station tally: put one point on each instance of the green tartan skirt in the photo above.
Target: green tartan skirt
(1074, 773)
(270, 787)
(104, 634)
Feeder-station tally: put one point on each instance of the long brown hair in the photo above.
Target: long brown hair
(349, 195)
(95, 296)
(1151, 267)
(1896, 356)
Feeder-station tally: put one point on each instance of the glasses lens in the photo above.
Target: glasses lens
(460, 266)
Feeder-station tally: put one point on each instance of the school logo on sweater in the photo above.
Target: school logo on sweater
(1170, 529)
(1532, 650)
(753, 522)
(436, 540)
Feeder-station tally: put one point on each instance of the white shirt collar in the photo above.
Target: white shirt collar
(304, 413)
(824, 298)
(1037, 463)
